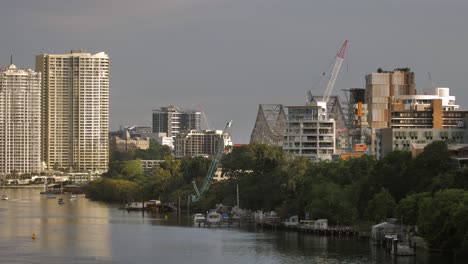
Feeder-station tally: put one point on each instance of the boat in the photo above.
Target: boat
(213, 218)
(73, 197)
(199, 218)
(60, 201)
(4, 197)
(50, 196)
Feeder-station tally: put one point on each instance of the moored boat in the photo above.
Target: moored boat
(4, 197)
(198, 218)
(213, 218)
(60, 201)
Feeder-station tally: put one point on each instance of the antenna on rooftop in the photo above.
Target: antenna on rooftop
(11, 57)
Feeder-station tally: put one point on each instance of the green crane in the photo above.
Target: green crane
(213, 167)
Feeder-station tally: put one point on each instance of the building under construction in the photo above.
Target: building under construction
(270, 125)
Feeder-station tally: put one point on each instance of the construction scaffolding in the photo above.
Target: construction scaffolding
(270, 125)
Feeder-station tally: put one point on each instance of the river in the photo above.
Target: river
(83, 231)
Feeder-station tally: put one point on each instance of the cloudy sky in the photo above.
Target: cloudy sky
(228, 56)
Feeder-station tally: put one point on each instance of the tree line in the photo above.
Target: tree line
(429, 191)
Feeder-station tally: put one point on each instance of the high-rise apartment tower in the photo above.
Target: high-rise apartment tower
(20, 121)
(75, 110)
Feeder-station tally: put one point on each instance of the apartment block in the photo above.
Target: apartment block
(308, 134)
(20, 119)
(172, 121)
(200, 143)
(380, 88)
(75, 110)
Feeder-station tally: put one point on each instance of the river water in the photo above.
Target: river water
(84, 231)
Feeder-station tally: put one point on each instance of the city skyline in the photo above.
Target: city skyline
(231, 56)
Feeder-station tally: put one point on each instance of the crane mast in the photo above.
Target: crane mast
(213, 167)
(331, 82)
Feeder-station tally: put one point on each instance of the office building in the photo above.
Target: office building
(20, 119)
(75, 110)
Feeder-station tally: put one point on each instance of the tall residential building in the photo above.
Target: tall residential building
(380, 87)
(75, 110)
(309, 134)
(172, 121)
(20, 121)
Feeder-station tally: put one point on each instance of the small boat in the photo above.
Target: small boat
(213, 218)
(4, 197)
(50, 196)
(198, 218)
(73, 197)
(60, 201)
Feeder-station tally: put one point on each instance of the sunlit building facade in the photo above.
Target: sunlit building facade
(75, 110)
(20, 121)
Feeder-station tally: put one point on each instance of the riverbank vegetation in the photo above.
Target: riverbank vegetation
(428, 191)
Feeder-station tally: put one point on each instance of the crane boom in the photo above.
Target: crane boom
(335, 71)
(213, 167)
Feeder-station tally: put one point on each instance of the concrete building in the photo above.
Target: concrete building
(125, 143)
(172, 121)
(200, 143)
(422, 119)
(20, 119)
(308, 135)
(75, 110)
(391, 139)
(380, 88)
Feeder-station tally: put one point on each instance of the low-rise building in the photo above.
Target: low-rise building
(128, 143)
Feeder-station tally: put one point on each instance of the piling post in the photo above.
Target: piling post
(395, 246)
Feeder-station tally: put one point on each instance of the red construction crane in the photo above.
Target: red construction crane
(334, 74)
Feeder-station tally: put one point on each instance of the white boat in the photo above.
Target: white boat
(213, 218)
(4, 197)
(198, 218)
(73, 197)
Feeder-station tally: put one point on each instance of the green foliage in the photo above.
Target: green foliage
(113, 190)
(443, 220)
(408, 207)
(381, 206)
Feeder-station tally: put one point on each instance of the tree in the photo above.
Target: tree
(433, 161)
(132, 168)
(408, 207)
(381, 206)
(443, 221)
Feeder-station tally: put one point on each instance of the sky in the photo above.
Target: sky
(226, 57)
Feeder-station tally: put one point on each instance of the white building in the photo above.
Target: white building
(75, 110)
(200, 143)
(20, 119)
(308, 133)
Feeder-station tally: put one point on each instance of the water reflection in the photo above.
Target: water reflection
(83, 231)
(74, 228)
